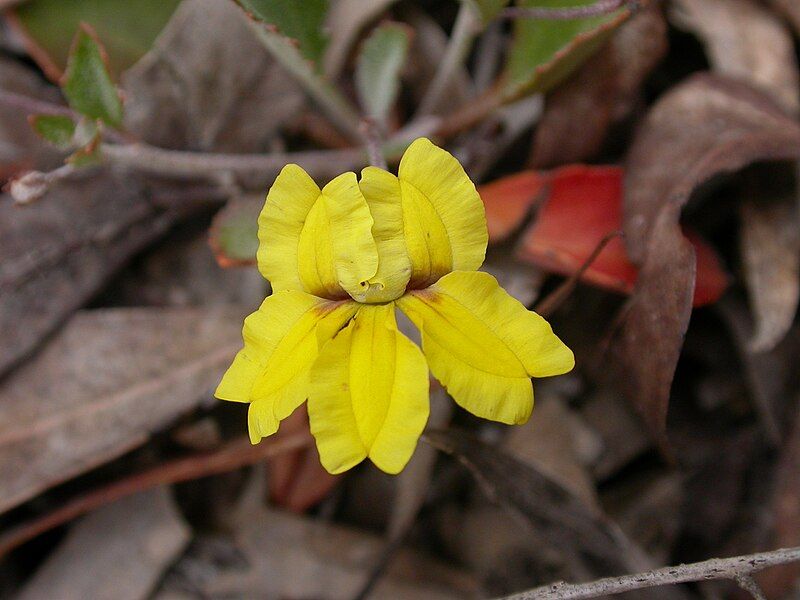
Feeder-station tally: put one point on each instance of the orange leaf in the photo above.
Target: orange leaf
(584, 205)
(508, 201)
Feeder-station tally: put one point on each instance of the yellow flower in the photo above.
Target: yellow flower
(340, 260)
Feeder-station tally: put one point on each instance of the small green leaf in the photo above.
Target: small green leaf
(127, 28)
(300, 21)
(87, 156)
(378, 70)
(545, 51)
(234, 232)
(87, 84)
(56, 129)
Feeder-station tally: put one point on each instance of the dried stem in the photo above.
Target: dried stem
(257, 169)
(234, 455)
(464, 31)
(601, 7)
(737, 568)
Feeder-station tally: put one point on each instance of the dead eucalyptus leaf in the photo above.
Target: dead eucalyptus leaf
(102, 386)
(779, 582)
(703, 127)
(746, 41)
(790, 9)
(558, 515)
(119, 552)
(279, 555)
(208, 83)
(57, 253)
(579, 112)
(770, 246)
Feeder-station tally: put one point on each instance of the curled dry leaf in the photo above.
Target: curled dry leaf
(744, 40)
(104, 384)
(790, 9)
(56, 254)
(770, 246)
(508, 201)
(120, 551)
(206, 83)
(579, 112)
(705, 126)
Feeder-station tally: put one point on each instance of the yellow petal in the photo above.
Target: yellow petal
(290, 199)
(483, 345)
(369, 394)
(349, 228)
(381, 190)
(317, 241)
(444, 219)
(281, 341)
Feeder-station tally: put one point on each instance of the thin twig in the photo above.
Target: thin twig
(601, 7)
(34, 105)
(554, 299)
(234, 455)
(258, 169)
(464, 31)
(717, 568)
(748, 584)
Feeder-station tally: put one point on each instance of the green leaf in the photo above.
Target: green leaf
(545, 51)
(378, 69)
(56, 129)
(87, 84)
(127, 28)
(300, 21)
(234, 232)
(87, 156)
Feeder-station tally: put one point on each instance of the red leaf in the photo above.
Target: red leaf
(508, 201)
(584, 204)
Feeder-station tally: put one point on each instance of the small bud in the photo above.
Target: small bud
(29, 187)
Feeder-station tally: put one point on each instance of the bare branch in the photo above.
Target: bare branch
(252, 170)
(601, 7)
(737, 568)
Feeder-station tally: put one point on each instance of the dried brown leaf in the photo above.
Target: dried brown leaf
(550, 509)
(770, 246)
(745, 41)
(104, 384)
(57, 253)
(790, 9)
(785, 505)
(208, 83)
(705, 126)
(119, 552)
(578, 113)
(280, 555)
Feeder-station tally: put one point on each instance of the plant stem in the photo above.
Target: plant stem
(737, 568)
(257, 170)
(464, 31)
